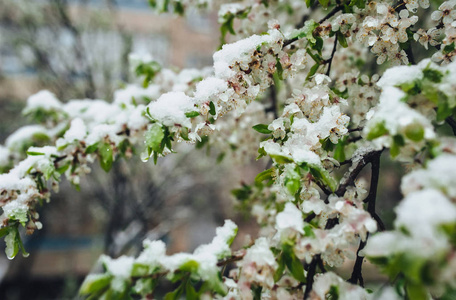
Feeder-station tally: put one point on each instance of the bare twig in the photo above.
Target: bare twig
(310, 276)
(450, 121)
(357, 276)
(334, 11)
(332, 56)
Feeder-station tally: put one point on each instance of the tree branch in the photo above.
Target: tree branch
(450, 121)
(310, 276)
(332, 56)
(335, 10)
(357, 275)
(370, 200)
(350, 176)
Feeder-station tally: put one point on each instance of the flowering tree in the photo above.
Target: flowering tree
(300, 90)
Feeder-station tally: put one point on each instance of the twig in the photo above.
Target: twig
(310, 276)
(350, 176)
(370, 199)
(355, 129)
(332, 56)
(229, 260)
(410, 56)
(329, 15)
(354, 139)
(306, 16)
(310, 217)
(357, 275)
(322, 187)
(273, 91)
(450, 121)
(335, 10)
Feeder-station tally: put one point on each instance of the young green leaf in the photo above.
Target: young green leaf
(262, 128)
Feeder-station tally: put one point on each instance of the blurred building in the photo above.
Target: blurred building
(173, 41)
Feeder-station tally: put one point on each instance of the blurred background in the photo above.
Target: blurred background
(79, 49)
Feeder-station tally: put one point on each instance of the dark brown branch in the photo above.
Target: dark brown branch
(229, 260)
(310, 217)
(306, 16)
(354, 139)
(355, 129)
(322, 187)
(351, 175)
(357, 275)
(334, 11)
(310, 276)
(410, 56)
(274, 107)
(370, 200)
(332, 56)
(450, 121)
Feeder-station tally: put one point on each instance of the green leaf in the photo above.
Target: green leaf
(448, 48)
(106, 156)
(94, 282)
(190, 266)
(4, 231)
(279, 69)
(433, 75)
(308, 231)
(265, 175)
(342, 40)
(280, 159)
(33, 153)
(281, 267)
(416, 291)
(184, 133)
(313, 70)
(257, 290)
(414, 132)
(190, 292)
(324, 3)
(443, 108)
(399, 140)
(333, 292)
(192, 114)
(242, 193)
(154, 137)
(91, 148)
(220, 157)
(215, 284)
(226, 27)
(12, 246)
(318, 44)
(294, 264)
(378, 131)
(359, 3)
(145, 286)
(139, 269)
(174, 295)
(63, 169)
(309, 3)
(262, 128)
(178, 8)
(323, 175)
(293, 181)
(339, 151)
(212, 108)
